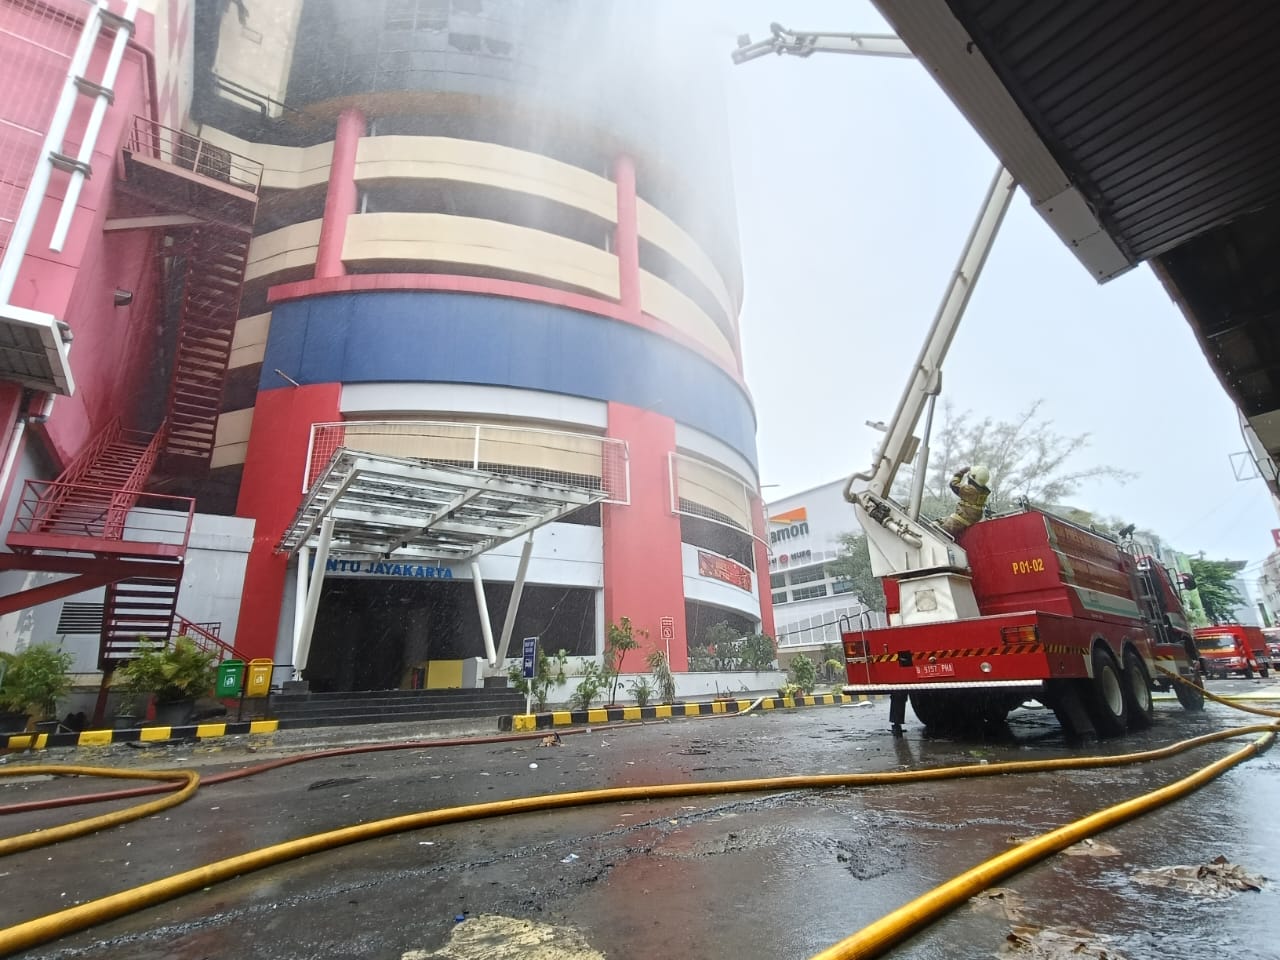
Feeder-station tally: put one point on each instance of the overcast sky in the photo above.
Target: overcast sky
(857, 182)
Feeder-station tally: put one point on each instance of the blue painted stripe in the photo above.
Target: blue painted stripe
(433, 337)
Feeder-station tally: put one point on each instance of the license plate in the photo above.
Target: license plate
(935, 669)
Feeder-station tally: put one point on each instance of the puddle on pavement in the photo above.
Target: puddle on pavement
(489, 937)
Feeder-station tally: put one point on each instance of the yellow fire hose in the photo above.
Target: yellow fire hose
(43, 929)
(67, 831)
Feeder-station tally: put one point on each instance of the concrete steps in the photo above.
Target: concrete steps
(391, 706)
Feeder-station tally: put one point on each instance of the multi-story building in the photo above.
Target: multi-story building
(809, 600)
(397, 329)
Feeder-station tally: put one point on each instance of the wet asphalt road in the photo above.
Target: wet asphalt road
(770, 875)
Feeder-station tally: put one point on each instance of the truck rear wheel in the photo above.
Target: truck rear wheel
(1137, 691)
(1107, 703)
(932, 709)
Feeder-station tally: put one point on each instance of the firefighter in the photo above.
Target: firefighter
(970, 485)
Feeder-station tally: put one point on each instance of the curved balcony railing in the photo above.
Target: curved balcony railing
(554, 456)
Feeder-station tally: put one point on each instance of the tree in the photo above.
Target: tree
(1026, 456)
(621, 639)
(1215, 583)
(854, 566)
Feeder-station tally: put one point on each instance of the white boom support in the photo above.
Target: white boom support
(936, 585)
(798, 44)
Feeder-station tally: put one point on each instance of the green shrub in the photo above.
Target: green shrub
(804, 672)
(664, 680)
(35, 679)
(549, 673)
(180, 672)
(590, 682)
(642, 690)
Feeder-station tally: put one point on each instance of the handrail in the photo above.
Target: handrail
(185, 150)
(184, 627)
(124, 499)
(45, 507)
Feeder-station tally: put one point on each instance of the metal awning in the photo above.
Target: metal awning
(33, 351)
(403, 508)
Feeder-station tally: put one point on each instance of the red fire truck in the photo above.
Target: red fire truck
(1066, 617)
(1017, 607)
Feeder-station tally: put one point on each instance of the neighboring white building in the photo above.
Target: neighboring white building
(804, 536)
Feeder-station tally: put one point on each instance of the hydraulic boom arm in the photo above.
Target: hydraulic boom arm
(899, 542)
(797, 44)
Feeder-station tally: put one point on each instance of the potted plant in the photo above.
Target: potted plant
(642, 690)
(175, 675)
(34, 681)
(804, 672)
(539, 686)
(664, 681)
(591, 680)
(621, 638)
(13, 719)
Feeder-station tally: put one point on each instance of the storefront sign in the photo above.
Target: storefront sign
(785, 559)
(384, 568)
(723, 569)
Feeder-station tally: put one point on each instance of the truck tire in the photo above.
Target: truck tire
(1107, 704)
(932, 709)
(1137, 691)
(1264, 672)
(1191, 698)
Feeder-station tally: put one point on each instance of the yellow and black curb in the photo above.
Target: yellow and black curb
(666, 711)
(103, 738)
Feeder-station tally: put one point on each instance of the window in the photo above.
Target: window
(778, 580)
(780, 597)
(417, 15)
(808, 593)
(808, 575)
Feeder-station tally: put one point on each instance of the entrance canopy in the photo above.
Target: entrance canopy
(404, 508)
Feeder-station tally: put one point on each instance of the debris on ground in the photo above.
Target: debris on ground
(489, 937)
(570, 858)
(552, 740)
(1002, 901)
(1057, 943)
(1215, 880)
(1091, 848)
(1085, 848)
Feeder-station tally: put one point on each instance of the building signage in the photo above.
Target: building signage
(722, 568)
(385, 568)
(791, 525)
(529, 664)
(786, 559)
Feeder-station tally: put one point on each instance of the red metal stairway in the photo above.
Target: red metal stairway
(215, 258)
(96, 522)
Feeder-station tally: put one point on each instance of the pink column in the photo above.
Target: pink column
(643, 573)
(626, 237)
(340, 200)
(761, 531)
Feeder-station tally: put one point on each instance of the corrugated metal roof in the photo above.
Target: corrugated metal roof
(1160, 111)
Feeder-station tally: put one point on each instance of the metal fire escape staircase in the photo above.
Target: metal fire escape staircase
(95, 521)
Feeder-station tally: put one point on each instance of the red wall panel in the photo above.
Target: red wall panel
(643, 572)
(270, 493)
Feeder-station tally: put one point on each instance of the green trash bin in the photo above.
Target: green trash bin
(230, 678)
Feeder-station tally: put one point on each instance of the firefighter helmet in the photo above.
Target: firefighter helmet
(980, 475)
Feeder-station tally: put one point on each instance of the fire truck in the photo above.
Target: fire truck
(1011, 608)
(1016, 607)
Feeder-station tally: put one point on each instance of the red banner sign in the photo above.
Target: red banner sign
(724, 569)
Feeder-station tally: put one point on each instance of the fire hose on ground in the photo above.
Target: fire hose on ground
(872, 941)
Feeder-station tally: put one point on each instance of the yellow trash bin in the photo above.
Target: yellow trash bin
(259, 684)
